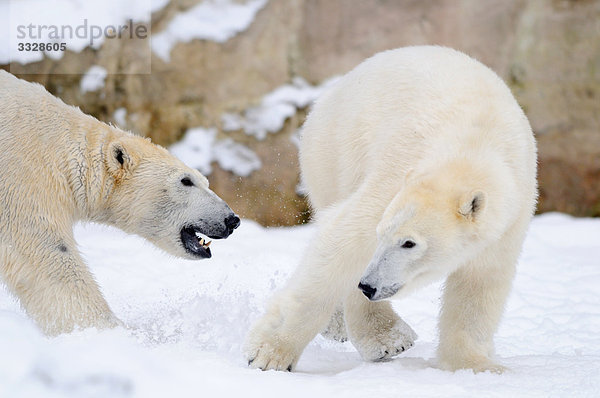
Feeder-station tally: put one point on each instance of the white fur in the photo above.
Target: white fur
(58, 166)
(422, 144)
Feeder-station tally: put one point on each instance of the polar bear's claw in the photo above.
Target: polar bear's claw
(270, 360)
(382, 345)
(268, 354)
(389, 354)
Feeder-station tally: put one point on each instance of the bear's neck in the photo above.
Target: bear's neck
(86, 171)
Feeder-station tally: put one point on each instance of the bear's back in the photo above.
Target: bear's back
(400, 107)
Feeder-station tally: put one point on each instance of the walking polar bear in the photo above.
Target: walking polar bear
(420, 164)
(58, 166)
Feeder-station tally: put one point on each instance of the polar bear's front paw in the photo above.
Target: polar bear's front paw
(270, 356)
(380, 345)
(267, 349)
(476, 363)
(490, 367)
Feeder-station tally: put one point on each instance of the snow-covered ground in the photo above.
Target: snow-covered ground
(187, 321)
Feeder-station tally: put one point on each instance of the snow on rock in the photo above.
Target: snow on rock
(186, 323)
(120, 116)
(199, 148)
(270, 115)
(53, 22)
(215, 20)
(93, 79)
(195, 149)
(235, 157)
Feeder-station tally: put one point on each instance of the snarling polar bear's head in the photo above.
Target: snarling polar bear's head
(152, 194)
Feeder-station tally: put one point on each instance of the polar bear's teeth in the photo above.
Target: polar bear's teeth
(204, 243)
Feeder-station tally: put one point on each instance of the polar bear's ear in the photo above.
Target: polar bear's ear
(472, 204)
(117, 158)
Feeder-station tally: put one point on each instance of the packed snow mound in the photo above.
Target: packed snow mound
(186, 323)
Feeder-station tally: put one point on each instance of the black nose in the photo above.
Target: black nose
(367, 290)
(232, 222)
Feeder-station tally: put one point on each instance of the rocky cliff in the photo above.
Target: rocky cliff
(547, 51)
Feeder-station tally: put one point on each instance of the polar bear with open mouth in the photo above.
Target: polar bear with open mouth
(420, 165)
(58, 166)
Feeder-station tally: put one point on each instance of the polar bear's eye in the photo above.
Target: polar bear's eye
(187, 182)
(409, 244)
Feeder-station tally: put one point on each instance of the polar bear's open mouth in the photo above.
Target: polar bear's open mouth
(195, 242)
